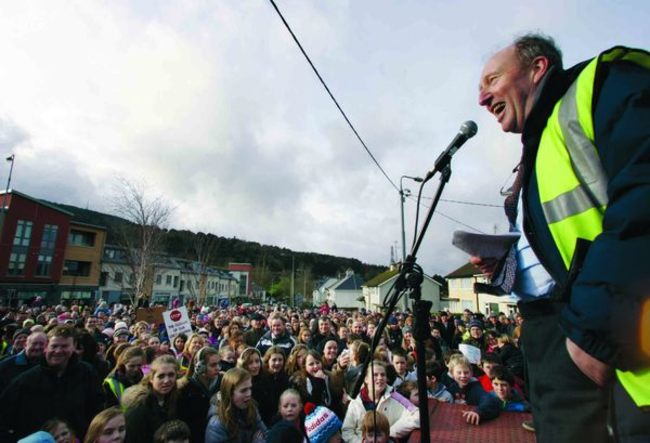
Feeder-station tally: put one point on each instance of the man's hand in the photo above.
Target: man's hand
(595, 369)
(486, 265)
(471, 417)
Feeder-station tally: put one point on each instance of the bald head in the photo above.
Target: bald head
(35, 345)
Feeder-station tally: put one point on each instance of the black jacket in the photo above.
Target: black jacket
(143, 414)
(12, 367)
(267, 394)
(193, 406)
(39, 394)
(285, 342)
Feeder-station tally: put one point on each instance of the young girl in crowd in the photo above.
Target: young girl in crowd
(375, 428)
(174, 431)
(60, 431)
(316, 386)
(126, 373)
(196, 389)
(237, 419)
(179, 345)
(152, 402)
(296, 360)
(227, 358)
(274, 381)
(402, 415)
(109, 426)
(192, 346)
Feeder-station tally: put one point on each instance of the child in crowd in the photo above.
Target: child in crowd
(435, 371)
(509, 399)
(290, 409)
(467, 390)
(227, 359)
(60, 430)
(488, 362)
(173, 431)
(323, 426)
(109, 426)
(375, 428)
(398, 360)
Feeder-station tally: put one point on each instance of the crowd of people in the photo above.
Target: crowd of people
(245, 374)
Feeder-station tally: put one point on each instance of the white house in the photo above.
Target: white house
(319, 295)
(346, 292)
(376, 290)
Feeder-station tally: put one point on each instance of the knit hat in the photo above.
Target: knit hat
(120, 325)
(475, 323)
(321, 424)
(121, 331)
(20, 332)
(37, 437)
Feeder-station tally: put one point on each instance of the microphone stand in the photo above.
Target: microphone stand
(409, 281)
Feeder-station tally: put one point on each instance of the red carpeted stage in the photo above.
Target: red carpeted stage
(447, 425)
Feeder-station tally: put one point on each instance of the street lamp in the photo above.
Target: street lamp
(11, 159)
(403, 193)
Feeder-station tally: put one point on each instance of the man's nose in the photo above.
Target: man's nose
(484, 98)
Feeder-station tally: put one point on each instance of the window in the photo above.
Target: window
(168, 280)
(103, 278)
(182, 284)
(76, 268)
(81, 238)
(17, 263)
(118, 277)
(175, 281)
(23, 233)
(189, 285)
(158, 279)
(48, 241)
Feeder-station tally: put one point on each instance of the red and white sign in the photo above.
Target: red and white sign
(177, 322)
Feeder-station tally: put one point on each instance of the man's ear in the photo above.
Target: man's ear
(539, 68)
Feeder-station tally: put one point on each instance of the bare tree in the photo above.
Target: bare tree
(142, 237)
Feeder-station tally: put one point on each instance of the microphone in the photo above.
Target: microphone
(467, 131)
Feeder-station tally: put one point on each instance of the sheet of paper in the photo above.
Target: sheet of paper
(472, 353)
(484, 245)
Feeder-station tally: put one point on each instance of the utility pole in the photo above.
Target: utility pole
(293, 280)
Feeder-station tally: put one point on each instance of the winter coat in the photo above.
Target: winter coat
(473, 394)
(40, 394)
(216, 431)
(284, 342)
(12, 367)
(193, 406)
(267, 394)
(143, 414)
(402, 415)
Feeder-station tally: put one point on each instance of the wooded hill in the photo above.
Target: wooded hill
(272, 264)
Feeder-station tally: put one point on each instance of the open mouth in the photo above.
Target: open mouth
(498, 109)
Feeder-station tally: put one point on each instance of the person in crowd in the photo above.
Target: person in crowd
(192, 346)
(227, 359)
(152, 402)
(174, 431)
(476, 337)
(88, 351)
(18, 342)
(60, 386)
(126, 373)
(375, 428)
(291, 427)
(394, 333)
(12, 367)
(140, 330)
(488, 362)
(409, 390)
(276, 336)
(503, 383)
(330, 354)
(60, 431)
(510, 355)
(317, 386)
(304, 336)
(196, 389)
(109, 426)
(178, 343)
(324, 333)
(237, 419)
(435, 372)
(256, 331)
(274, 382)
(296, 360)
(402, 374)
(358, 353)
(358, 331)
(343, 333)
(323, 426)
(401, 413)
(467, 390)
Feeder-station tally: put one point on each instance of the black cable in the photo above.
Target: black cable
(332, 96)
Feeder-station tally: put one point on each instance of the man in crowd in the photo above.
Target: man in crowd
(60, 387)
(582, 194)
(256, 331)
(12, 367)
(277, 336)
(323, 334)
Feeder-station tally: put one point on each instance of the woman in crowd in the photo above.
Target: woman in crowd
(152, 402)
(251, 360)
(178, 345)
(141, 330)
(274, 382)
(402, 415)
(192, 346)
(296, 360)
(304, 336)
(196, 389)
(109, 426)
(330, 352)
(317, 386)
(237, 419)
(126, 373)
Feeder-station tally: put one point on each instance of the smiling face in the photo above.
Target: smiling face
(330, 350)
(312, 365)
(276, 363)
(462, 375)
(59, 350)
(507, 89)
(380, 380)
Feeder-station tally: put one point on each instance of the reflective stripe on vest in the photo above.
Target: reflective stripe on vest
(572, 182)
(116, 387)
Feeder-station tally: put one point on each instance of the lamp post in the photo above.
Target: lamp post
(403, 193)
(11, 159)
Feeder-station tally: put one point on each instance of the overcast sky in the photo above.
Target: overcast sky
(212, 104)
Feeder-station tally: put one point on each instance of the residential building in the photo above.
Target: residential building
(243, 273)
(319, 296)
(377, 289)
(346, 292)
(463, 296)
(82, 262)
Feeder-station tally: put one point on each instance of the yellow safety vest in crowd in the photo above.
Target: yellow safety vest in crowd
(116, 387)
(573, 185)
